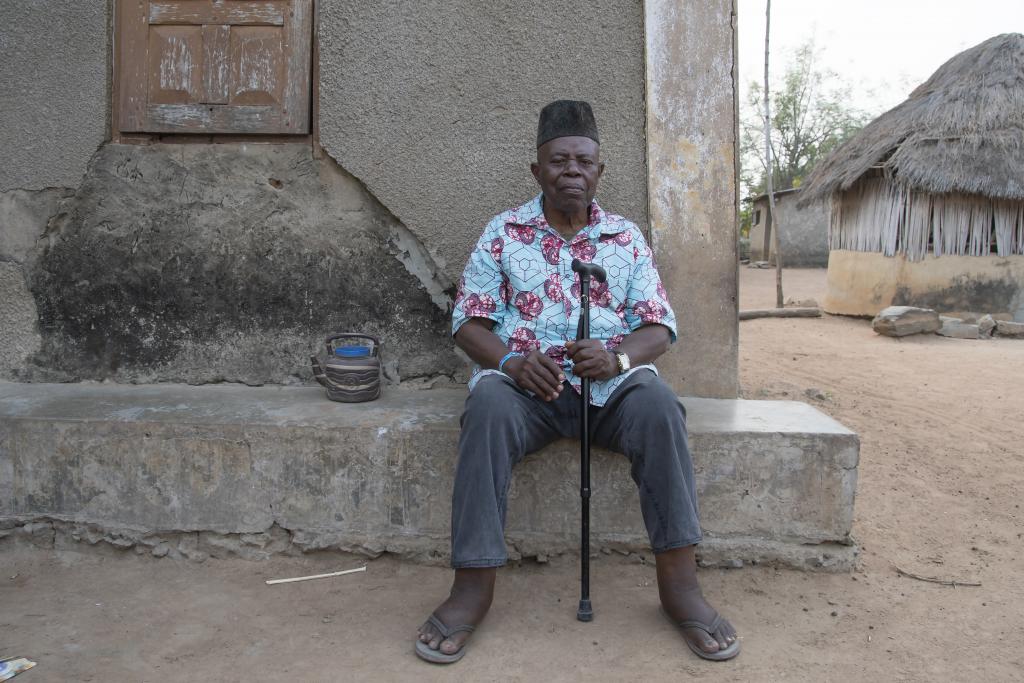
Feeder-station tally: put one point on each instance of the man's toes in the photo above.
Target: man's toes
(706, 642)
(430, 636)
(720, 638)
(451, 645)
(428, 633)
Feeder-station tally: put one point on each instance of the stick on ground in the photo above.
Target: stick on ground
(781, 313)
(929, 579)
(271, 582)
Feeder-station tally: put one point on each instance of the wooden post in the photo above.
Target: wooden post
(773, 217)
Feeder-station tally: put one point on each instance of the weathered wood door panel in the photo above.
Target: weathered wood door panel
(255, 58)
(214, 66)
(175, 65)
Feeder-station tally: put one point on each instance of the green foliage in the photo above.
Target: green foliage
(746, 213)
(811, 116)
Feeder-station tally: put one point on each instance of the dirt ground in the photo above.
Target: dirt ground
(941, 475)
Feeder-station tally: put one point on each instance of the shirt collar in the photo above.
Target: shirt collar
(532, 213)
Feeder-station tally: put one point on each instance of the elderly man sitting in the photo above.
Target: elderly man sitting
(516, 313)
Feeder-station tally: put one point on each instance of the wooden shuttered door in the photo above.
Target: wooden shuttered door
(214, 66)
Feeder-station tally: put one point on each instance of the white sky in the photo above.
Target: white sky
(882, 49)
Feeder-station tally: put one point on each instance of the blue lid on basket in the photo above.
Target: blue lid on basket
(352, 351)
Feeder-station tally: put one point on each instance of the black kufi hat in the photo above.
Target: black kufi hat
(563, 118)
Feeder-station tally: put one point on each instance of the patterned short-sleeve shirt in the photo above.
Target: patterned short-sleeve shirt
(520, 276)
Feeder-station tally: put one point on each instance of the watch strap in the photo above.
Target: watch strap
(622, 360)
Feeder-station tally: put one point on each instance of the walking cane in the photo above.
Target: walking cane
(585, 271)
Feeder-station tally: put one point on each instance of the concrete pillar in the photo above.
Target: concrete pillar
(692, 185)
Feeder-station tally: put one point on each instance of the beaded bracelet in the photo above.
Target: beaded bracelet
(510, 354)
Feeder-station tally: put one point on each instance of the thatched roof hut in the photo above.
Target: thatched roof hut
(928, 200)
(959, 136)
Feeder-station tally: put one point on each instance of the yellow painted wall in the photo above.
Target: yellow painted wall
(863, 283)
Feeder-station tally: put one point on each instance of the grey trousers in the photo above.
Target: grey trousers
(643, 419)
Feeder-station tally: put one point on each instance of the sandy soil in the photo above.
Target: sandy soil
(942, 468)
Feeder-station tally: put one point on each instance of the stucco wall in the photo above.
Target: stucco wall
(431, 107)
(434, 104)
(691, 142)
(863, 283)
(54, 92)
(804, 233)
(759, 244)
(53, 116)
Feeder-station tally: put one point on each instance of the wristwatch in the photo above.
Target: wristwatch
(623, 361)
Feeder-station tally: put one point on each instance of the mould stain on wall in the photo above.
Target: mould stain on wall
(206, 263)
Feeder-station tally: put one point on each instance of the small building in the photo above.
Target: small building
(927, 201)
(199, 191)
(804, 235)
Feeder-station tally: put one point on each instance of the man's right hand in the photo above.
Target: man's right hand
(536, 372)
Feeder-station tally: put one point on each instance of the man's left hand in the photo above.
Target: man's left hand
(591, 359)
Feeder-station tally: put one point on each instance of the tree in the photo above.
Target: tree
(811, 116)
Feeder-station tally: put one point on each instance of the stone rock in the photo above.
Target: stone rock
(39, 534)
(189, 547)
(985, 326)
(957, 329)
(119, 541)
(900, 321)
(969, 317)
(1008, 328)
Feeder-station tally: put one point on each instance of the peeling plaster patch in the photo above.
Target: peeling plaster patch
(21, 406)
(23, 218)
(419, 263)
(135, 413)
(128, 414)
(19, 336)
(228, 263)
(407, 248)
(53, 532)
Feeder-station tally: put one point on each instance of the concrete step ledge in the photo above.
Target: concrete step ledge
(226, 469)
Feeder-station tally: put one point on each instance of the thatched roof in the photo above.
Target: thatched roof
(777, 193)
(962, 130)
